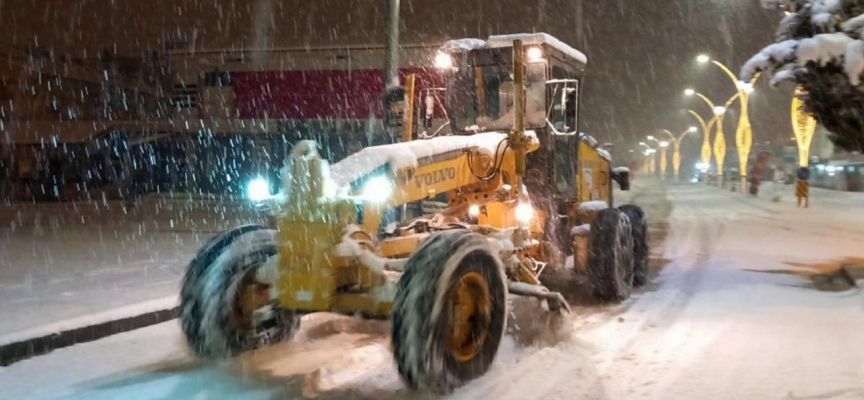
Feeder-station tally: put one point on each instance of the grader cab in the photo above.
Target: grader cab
(524, 194)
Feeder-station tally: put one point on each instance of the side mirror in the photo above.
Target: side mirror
(622, 176)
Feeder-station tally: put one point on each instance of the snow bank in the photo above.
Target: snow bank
(536, 38)
(133, 310)
(595, 205)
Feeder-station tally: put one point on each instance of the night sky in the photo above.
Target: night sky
(641, 52)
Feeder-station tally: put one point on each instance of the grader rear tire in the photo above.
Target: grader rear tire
(610, 256)
(639, 230)
(449, 312)
(219, 297)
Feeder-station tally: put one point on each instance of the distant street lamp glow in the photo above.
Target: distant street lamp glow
(692, 129)
(664, 144)
(719, 110)
(650, 137)
(689, 92)
(702, 58)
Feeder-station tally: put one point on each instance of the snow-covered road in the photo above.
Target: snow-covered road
(70, 265)
(745, 307)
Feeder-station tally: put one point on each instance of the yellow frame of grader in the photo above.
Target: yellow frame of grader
(311, 273)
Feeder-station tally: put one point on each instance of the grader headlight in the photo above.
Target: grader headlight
(443, 61)
(534, 54)
(378, 189)
(524, 213)
(258, 190)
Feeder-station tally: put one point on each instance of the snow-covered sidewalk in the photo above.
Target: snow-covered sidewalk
(71, 265)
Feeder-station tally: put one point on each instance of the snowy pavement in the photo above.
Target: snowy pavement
(745, 307)
(69, 265)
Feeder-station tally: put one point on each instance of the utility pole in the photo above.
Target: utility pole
(394, 94)
(393, 45)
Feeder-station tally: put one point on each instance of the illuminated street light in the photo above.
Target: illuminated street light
(689, 92)
(719, 139)
(744, 131)
(676, 147)
(664, 144)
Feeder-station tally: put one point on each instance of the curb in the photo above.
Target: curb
(22, 350)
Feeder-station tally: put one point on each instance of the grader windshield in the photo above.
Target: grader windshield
(480, 83)
(481, 96)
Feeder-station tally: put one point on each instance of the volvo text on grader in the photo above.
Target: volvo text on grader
(517, 177)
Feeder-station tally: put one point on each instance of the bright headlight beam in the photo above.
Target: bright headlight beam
(524, 213)
(258, 189)
(443, 61)
(378, 189)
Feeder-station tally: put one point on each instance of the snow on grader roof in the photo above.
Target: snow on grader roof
(407, 154)
(507, 40)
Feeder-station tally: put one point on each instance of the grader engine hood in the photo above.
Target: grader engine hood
(412, 168)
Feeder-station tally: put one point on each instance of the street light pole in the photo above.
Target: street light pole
(706, 136)
(720, 138)
(662, 145)
(744, 132)
(650, 157)
(676, 148)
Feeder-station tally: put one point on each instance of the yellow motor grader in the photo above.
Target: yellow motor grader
(514, 183)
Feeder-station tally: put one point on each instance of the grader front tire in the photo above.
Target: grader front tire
(220, 297)
(610, 256)
(449, 312)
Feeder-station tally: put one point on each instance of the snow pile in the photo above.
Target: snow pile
(823, 48)
(536, 38)
(463, 44)
(498, 41)
(619, 170)
(407, 154)
(605, 154)
(581, 230)
(589, 140)
(595, 205)
(773, 54)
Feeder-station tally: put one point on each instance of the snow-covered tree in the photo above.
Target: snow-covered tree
(820, 46)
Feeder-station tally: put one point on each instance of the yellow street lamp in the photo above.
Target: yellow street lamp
(676, 147)
(804, 126)
(650, 157)
(744, 132)
(706, 136)
(662, 154)
(720, 138)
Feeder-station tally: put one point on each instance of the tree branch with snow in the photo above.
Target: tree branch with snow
(820, 46)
